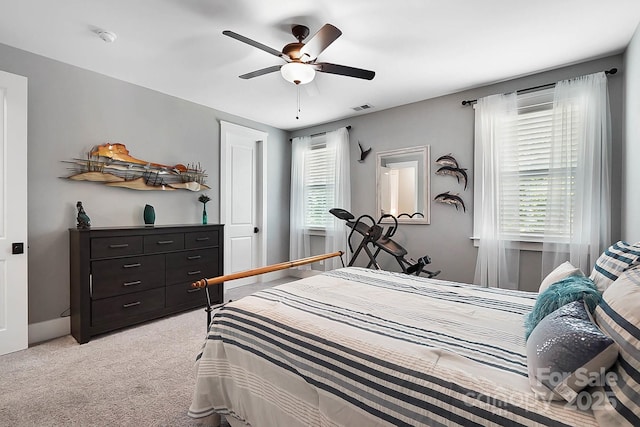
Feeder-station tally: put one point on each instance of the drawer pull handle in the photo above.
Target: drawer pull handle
(193, 290)
(131, 304)
(137, 264)
(192, 257)
(119, 246)
(165, 242)
(191, 273)
(137, 282)
(202, 239)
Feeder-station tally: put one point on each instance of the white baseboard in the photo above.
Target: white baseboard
(49, 329)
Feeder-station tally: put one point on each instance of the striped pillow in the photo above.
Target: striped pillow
(618, 316)
(613, 262)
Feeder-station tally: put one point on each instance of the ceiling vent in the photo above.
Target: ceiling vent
(362, 107)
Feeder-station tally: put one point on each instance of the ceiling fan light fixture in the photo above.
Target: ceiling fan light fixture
(297, 72)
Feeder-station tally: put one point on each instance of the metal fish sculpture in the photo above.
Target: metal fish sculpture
(447, 160)
(459, 173)
(451, 199)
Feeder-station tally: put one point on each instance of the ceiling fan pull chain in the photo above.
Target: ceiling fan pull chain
(298, 99)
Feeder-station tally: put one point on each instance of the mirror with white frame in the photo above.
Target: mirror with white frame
(402, 182)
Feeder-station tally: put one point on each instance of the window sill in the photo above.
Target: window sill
(522, 245)
(313, 231)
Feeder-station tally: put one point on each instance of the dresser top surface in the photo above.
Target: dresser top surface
(148, 228)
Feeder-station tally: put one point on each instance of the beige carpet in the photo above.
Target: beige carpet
(141, 376)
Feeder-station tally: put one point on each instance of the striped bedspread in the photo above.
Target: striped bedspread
(359, 347)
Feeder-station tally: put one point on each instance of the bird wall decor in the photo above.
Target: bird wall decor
(363, 153)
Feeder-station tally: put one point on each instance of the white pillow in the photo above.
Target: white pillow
(561, 272)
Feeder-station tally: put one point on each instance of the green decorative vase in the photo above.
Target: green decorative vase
(149, 215)
(204, 214)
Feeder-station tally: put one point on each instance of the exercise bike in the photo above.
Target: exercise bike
(373, 235)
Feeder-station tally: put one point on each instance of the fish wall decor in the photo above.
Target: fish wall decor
(459, 173)
(449, 166)
(451, 199)
(447, 160)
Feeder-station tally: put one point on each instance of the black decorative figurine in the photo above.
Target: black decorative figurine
(83, 219)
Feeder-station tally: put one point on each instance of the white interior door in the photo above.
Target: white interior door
(241, 195)
(13, 213)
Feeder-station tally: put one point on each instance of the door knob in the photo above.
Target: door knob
(256, 229)
(17, 248)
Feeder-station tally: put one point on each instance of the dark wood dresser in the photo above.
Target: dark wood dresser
(124, 276)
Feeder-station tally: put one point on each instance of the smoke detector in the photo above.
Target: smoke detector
(107, 36)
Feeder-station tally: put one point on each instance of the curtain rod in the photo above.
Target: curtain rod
(321, 133)
(473, 101)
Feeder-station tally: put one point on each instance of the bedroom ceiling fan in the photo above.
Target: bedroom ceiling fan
(300, 58)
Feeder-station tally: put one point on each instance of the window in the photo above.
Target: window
(320, 180)
(542, 175)
(319, 183)
(527, 173)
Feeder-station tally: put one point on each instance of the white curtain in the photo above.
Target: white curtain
(338, 167)
(336, 231)
(581, 122)
(495, 121)
(299, 241)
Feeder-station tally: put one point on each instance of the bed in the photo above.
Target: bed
(361, 347)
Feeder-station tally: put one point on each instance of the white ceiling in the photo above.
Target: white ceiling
(419, 49)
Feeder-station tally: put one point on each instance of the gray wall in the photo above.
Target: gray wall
(631, 152)
(447, 126)
(69, 111)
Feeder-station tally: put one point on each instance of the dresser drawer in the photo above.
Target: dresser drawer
(126, 275)
(184, 295)
(191, 273)
(123, 306)
(107, 247)
(200, 239)
(163, 242)
(198, 256)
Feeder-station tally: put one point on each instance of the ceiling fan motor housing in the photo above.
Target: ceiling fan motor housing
(292, 50)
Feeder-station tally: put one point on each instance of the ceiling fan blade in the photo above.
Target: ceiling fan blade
(344, 70)
(254, 44)
(261, 72)
(319, 42)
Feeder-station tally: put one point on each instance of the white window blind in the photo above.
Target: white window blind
(528, 175)
(319, 183)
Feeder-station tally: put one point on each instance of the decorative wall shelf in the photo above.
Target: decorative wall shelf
(112, 165)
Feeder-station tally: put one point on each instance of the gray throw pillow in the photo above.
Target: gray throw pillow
(566, 352)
